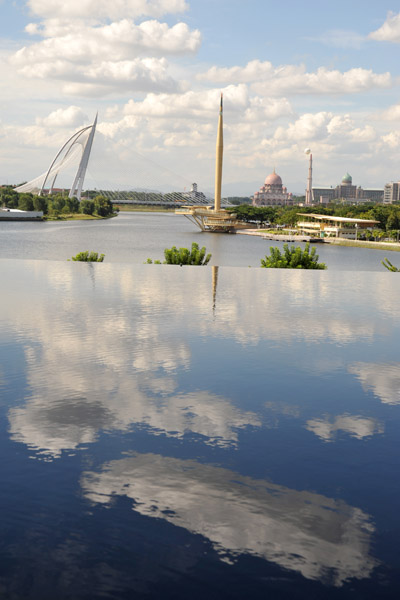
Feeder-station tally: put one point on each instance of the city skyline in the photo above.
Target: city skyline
(293, 76)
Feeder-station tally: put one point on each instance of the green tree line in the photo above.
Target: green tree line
(55, 205)
(387, 215)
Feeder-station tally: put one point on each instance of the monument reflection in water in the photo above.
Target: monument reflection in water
(179, 432)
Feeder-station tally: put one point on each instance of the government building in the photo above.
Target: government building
(345, 192)
(273, 193)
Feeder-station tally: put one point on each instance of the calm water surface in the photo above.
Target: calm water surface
(134, 237)
(181, 433)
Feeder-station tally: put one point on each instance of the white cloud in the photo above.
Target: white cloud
(105, 9)
(308, 127)
(70, 117)
(363, 134)
(98, 60)
(120, 40)
(201, 104)
(389, 31)
(390, 114)
(391, 140)
(294, 79)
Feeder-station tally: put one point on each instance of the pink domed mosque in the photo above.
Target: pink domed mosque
(272, 193)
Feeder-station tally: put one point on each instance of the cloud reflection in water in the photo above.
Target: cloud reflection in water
(322, 538)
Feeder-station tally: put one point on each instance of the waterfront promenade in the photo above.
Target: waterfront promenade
(392, 246)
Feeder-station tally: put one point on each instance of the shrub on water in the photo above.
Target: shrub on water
(292, 258)
(184, 256)
(87, 256)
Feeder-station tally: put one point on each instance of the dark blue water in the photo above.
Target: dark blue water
(134, 237)
(174, 432)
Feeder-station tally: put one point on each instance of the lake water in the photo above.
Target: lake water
(175, 433)
(134, 237)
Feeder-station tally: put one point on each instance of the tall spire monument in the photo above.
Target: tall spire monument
(218, 159)
(209, 218)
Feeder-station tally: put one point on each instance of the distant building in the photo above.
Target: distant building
(346, 192)
(194, 195)
(272, 193)
(391, 193)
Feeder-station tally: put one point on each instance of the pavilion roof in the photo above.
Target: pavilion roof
(339, 219)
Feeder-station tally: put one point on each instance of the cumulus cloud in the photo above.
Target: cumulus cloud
(104, 9)
(308, 127)
(70, 117)
(323, 127)
(390, 114)
(99, 59)
(294, 79)
(202, 104)
(389, 31)
(83, 60)
(121, 40)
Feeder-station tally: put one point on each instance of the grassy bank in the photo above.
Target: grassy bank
(76, 217)
(390, 246)
(142, 208)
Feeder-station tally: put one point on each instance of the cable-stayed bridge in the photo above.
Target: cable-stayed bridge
(172, 189)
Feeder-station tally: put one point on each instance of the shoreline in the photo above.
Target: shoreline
(390, 246)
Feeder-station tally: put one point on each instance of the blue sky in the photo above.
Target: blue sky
(294, 75)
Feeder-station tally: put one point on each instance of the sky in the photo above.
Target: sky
(294, 75)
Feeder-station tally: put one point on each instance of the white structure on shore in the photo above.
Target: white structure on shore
(14, 214)
(79, 143)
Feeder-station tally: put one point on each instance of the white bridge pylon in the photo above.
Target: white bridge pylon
(80, 143)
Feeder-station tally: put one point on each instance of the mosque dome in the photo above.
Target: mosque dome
(347, 179)
(273, 179)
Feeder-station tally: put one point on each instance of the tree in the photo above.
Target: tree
(102, 206)
(292, 258)
(40, 203)
(8, 197)
(87, 207)
(56, 204)
(71, 205)
(25, 202)
(393, 221)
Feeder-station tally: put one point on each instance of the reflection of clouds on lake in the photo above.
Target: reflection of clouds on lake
(356, 426)
(50, 425)
(322, 538)
(104, 345)
(327, 426)
(382, 379)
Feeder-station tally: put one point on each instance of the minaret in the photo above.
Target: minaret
(218, 161)
(309, 198)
